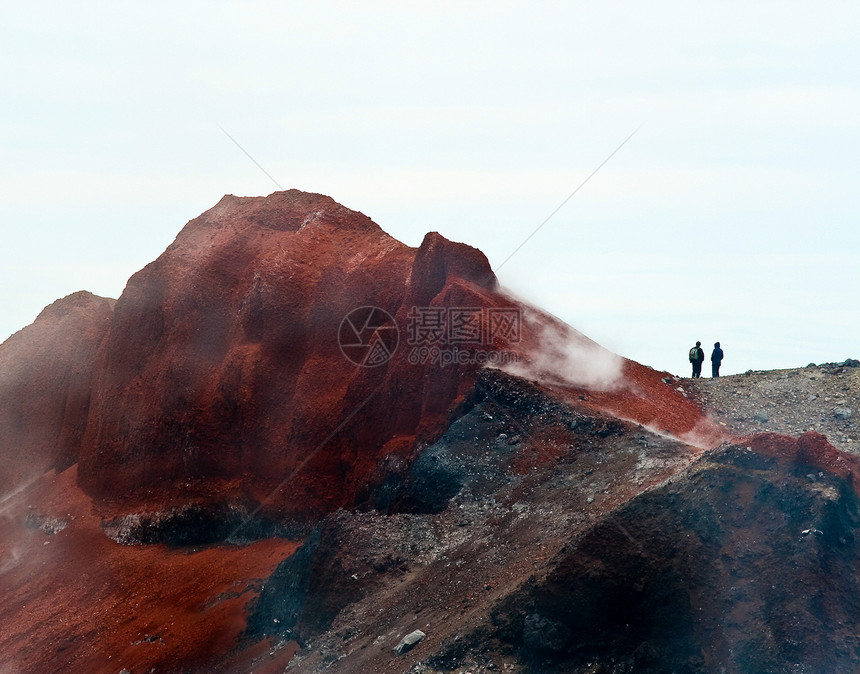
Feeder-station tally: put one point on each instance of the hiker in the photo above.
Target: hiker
(716, 359)
(697, 357)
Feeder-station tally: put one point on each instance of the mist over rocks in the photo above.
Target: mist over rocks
(298, 415)
(564, 356)
(221, 374)
(45, 372)
(218, 375)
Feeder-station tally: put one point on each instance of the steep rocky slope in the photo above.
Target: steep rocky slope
(45, 386)
(618, 550)
(221, 376)
(295, 440)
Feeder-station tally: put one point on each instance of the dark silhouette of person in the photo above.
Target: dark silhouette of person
(716, 359)
(697, 357)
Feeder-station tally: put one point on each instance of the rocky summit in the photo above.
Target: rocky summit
(295, 444)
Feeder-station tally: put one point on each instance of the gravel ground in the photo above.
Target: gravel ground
(821, 398)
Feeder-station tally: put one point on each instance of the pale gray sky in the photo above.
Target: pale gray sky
(731, 215)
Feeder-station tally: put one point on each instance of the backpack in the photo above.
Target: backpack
(694, 354)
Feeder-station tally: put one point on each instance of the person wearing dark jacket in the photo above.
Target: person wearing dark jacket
(697, 356)
(716, 359)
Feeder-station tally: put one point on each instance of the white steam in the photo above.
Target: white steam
(10, 558)
(705, 435)
(554, 353)
(8, 496)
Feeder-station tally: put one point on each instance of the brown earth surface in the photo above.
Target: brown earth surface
(73, 600)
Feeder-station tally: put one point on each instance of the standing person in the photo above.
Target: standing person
(716, 359)
(697, 357)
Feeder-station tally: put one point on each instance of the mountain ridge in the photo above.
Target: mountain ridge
(214, 416)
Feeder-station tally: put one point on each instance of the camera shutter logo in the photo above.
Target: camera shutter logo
(368, 336)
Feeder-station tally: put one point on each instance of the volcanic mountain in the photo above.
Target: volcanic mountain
(294, 440)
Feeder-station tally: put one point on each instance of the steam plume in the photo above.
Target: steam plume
(555, 353)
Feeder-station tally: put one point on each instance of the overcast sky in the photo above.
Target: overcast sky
(731, 214)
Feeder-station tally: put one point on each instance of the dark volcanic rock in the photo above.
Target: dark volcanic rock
(507, 426)
(283, 600)
(718, 569)
(347, 557)
(195, 524)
